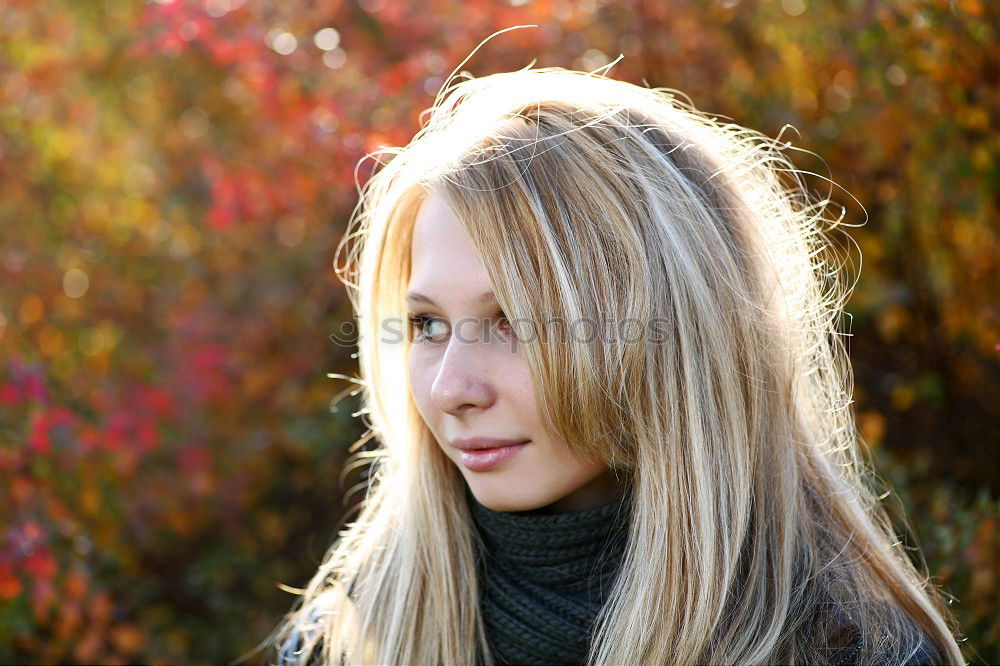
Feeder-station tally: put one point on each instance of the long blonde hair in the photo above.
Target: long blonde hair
(757, 533)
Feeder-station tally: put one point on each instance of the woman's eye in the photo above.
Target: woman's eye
(504, 323)
(426, 328)
(420, 324)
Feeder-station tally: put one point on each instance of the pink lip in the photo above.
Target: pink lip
(484, 442)
(480, 460)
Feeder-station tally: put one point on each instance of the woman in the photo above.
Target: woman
(632, 308)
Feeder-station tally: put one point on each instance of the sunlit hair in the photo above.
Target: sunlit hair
(757, 533)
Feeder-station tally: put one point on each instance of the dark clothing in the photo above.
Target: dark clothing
(544, 576)
(927, 655)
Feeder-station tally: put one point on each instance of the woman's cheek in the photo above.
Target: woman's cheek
(421, 381)
(516, 382)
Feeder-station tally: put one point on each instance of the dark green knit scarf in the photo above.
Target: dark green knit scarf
(544, 576)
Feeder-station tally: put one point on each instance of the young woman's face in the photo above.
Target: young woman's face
(467, 384)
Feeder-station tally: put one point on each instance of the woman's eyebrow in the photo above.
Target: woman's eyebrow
(485, 297)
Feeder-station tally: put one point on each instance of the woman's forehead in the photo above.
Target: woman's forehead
(444, 264)
(439, 241)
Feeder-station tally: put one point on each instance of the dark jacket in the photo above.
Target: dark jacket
(925, 656)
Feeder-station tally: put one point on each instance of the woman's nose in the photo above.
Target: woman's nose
(463, 382)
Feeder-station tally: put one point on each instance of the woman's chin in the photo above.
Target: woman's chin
(504, 493)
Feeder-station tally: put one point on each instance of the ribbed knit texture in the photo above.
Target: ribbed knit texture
(545, 576)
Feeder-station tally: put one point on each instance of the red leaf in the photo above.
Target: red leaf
(41, 564)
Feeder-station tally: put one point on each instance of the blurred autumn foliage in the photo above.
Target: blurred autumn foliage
(174, 178)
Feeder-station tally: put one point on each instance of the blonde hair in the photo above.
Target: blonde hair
(757, 534)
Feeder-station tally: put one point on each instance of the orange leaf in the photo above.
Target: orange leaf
(127, 638)
(10, 586)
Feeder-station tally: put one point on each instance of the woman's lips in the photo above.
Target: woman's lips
(480, 460)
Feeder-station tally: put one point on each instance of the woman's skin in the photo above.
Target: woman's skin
(468, 384)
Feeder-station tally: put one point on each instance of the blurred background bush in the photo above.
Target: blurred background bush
(174, 177)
